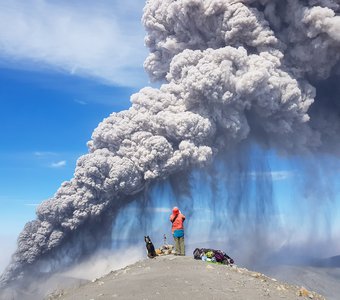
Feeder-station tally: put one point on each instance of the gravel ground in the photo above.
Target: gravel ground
(169, 277)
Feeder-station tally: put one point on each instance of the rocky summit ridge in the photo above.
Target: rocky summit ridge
(182, 277)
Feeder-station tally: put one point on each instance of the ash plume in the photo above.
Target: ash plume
(231, 71)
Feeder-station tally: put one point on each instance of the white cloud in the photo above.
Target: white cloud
(274, 175)
(58, 164)
(160, 209)
(80, 102)
(102, 40)
(44, 153)
(105, 261)
(281, 175)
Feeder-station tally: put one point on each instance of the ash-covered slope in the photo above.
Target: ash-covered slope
(232, 70)
(170, 277)
(324, 280)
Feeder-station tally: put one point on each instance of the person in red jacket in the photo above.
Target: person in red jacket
(177, 219)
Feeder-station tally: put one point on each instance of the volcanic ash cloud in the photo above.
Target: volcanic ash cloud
(232, 70)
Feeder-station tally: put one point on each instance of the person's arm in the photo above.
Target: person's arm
(173, 218)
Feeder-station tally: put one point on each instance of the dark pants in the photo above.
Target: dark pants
(179, 245)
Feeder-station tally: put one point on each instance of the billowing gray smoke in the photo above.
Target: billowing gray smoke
(232, 70)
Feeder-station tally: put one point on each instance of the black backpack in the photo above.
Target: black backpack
(197, 253)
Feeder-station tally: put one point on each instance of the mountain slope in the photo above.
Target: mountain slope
(169, 277)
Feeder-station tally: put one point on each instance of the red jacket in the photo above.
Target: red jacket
(178, 223)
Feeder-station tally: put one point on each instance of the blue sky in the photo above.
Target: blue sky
(46, 120)
(64, 66)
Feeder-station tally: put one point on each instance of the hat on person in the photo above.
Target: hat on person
(175, 210)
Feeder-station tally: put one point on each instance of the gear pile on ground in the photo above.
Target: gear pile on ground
(211, 255)
(165, 250)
